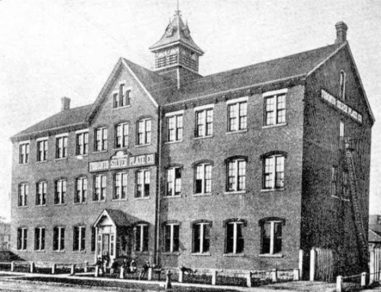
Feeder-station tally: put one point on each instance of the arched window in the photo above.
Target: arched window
(236, 174)
(171, 236)
(234, 239)
(41, 190)
(271, 235)
(273, 170)
(342, 84)
(201, 236)
(203, 177)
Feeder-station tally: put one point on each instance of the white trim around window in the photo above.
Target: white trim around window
(274, 92)
(235, 100)
(204, 107)
(180, 112)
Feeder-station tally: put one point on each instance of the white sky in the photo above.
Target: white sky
(55, 48)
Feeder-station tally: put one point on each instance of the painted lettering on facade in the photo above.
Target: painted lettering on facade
(122, 161)
(341, 106)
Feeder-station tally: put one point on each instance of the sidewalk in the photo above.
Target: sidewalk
(107, 283)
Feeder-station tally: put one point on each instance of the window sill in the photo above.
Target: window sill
(61, 158)
(272, 190)
(173, 142)
(203, 137)
(202, 195)
(59, 251)
(81, 156)
(198, 254)
(27, 163)
(340, 198)
(172, 197)
(119, 200)
(168, 253)
(121, 107)
(41, 162)
(80, 203)
(142, 145)
(233, 254)
(100, 151)
(79, 251)
(274, 126)
(265, 255)
(236, 132)
(57, 205)
(22, 250)
(142, 198)
(40, 251)
(44, 205)
(99, 201)
(23, 207)
(234, 192)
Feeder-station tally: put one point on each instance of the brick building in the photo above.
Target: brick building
(237, 170)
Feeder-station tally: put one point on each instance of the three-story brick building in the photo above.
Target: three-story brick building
(236, 170)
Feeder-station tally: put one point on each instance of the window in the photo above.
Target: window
(171, 237)
(121, 135)
(173, 181)
(23, 194)
(100, 139)
(271, 239)
(59, 191)
(41, 193)
(273, 176)
(341, 135)
(99, 187)
(345, 185)
(342, 84)
(201, 237)
(82, 143)
(141, 237)
(334, 181)
(61, 147)
(120, 185)
(236, 175)
(79, 238)
(203, 183)
(22, 238)
(175, 128)
(142, 183)
(275, 110)
(237, 116)
(80, 190)
(24, 153)
(234, 238)
(204, 123)
(93, 238)
(42, 150)
(144, 132)
(39, 238)
(122, 97)
(58, 238)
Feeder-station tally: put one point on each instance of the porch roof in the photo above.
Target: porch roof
(118, 217)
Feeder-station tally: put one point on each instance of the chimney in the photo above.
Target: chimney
(341, 32)
(65, 103)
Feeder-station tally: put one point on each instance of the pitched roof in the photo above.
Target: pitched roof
(176, 33)
(66, 118)
(277, 69)
(119, 218)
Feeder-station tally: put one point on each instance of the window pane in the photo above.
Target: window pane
(240, 239)
(176, 239)
(266, 237)
(206, 242)
(196, 238)
(229, 237)
(277, 237)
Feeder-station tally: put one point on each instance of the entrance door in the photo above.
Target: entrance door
(106, 244)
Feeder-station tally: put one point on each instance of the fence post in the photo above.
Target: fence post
(12, 266)
(96, 273)
(53, 268)
(339, 284)
(168, 281)
(312, 264)
(181, 275)
(86, 267)
(363, 279)
(32, 267)
(300, 266)
(372, 272)
(214, 277)
(296, 275)
(121, 272)
(150, 272)
(274, 275)
(72, 269)
(248, 279)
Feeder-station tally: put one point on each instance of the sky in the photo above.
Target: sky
(55, 48)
